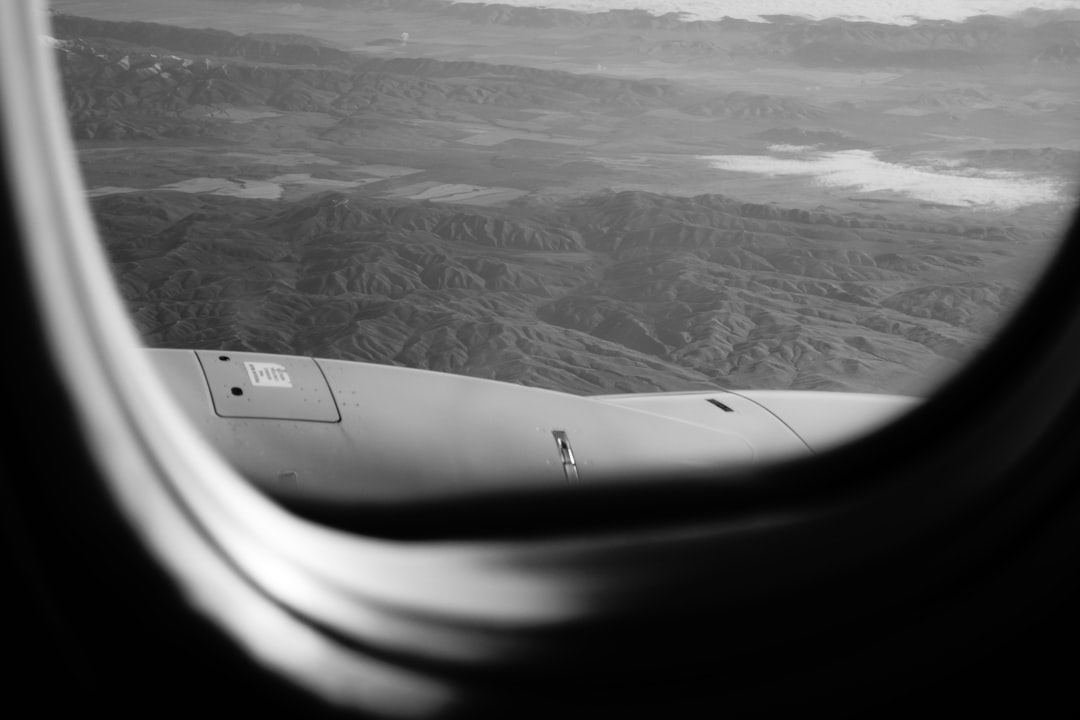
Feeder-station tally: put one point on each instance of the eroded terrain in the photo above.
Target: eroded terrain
(585, 203)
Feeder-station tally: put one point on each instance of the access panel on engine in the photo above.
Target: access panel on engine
(253, 385)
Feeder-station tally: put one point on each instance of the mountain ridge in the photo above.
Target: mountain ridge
(561, 229)
(381, 282)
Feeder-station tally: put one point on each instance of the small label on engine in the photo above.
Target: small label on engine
(264, 374)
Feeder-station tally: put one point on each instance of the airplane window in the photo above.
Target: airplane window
(598, 198)
(826, 580)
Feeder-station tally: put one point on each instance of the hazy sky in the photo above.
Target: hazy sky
(890, 11)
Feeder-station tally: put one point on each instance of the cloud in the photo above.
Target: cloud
(861, 170)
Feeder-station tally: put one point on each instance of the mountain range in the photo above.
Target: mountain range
(413, 214)
(618, 293)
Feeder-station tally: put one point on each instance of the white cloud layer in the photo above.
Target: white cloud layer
(885, 11)
(861, 171)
